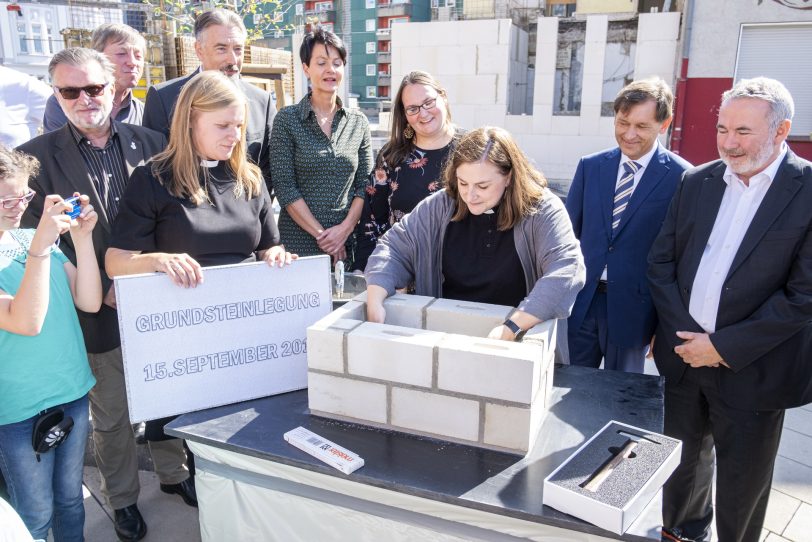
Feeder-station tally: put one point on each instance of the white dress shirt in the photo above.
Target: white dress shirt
(643, 162)
(739, 205)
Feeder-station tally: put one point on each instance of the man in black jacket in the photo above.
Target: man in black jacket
(94, 155)
(220, 42)
(731, 278)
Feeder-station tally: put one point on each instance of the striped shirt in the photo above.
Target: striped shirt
(106, 168)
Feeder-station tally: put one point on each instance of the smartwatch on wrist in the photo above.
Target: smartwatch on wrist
(514, 328)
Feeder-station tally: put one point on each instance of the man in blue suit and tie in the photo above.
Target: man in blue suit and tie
(617, 203)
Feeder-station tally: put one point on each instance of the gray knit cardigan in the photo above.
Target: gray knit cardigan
(548, 250)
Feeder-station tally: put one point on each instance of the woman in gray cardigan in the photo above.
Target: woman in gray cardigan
(496, 234)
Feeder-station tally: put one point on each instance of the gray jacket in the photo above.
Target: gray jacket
(548, 250)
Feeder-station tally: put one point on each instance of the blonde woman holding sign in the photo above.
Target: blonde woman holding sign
(199, 203)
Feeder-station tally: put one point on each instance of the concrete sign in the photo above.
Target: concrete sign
(238, 336)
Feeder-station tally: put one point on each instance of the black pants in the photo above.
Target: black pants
(745, 444)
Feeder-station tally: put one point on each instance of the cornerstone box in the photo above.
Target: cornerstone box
(611, 478)
(430, 370)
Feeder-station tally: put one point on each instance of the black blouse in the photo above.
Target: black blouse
(226, 230)
(480, 263)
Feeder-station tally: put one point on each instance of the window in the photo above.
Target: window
(776, 51)
(23, 38)
(370, 25)
(370, 47)
(397, 20)
(370, 70)
(370, 4)
(372, 92)
(36, 35)
(324, 6)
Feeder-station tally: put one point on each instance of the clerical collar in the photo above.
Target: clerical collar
(209, 163)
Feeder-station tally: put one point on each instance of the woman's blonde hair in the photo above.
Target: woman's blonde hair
(497, 146)
(178, 166)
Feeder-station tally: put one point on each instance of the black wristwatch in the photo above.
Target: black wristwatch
(514, 328)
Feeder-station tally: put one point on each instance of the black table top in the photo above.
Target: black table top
(584, 400)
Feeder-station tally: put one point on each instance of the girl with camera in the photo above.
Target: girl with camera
(45, 375)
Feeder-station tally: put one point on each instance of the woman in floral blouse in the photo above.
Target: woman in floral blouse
(409, 166)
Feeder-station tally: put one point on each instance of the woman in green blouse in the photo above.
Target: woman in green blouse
(320, 157)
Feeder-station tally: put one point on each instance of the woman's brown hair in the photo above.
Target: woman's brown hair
(178, 166)
(497, 146)
(398, 147)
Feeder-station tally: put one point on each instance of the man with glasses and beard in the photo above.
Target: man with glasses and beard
(220, 43)
(94, 155)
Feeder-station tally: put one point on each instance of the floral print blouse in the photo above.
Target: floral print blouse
(392, 192)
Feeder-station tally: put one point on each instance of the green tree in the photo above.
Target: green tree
(261, 17)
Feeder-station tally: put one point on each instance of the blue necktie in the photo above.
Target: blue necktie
(623, 193)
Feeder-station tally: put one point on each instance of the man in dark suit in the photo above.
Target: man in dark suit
(220, 42)
(95, 155)
(731, 278)
(617, 202)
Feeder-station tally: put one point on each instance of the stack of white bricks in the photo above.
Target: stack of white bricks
(429, 370)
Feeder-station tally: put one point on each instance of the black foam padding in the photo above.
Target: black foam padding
(629, 476)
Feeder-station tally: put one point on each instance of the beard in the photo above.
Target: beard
(96, 120)
(746, 163)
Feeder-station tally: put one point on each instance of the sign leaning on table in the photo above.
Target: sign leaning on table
(239, 335)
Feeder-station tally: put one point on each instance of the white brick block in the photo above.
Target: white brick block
(543, 334)
(655, 58)
(352, 310)
(589, 121)
(658, 26)
(565, 125)
(548, 385)
(393, 353)
(325, 345)
(508, 427)
(490, 115)
(347, 398)
(542, 119)
(471, 366)
(519, 124)
(476, 90)
(597, 26)
(438, 33)
(406, 33)
(491, 59)
(505, 26)
(457, 60)
(465, 317)
(406, 310)
(476, 32)
(436, 414)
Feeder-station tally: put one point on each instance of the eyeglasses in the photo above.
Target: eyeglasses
(11, 203)
(71, 93)
(413, 110)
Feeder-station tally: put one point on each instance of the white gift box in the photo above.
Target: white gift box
(622, 495)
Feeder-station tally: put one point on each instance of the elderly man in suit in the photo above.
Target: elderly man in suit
(95, 155)
(617, 203)
(124, 47)
(220, 42)
(731, 277)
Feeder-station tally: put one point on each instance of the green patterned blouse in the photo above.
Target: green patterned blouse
(327, 172)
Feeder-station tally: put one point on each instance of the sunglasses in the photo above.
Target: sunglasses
(71, 93)
(11, 203)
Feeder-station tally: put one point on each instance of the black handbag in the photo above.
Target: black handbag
(51, 428)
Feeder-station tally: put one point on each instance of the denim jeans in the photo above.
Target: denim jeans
(47, 493)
